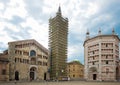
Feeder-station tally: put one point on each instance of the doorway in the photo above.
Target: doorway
(117, 73)
(32, 73)
(16, 75)
(94, 76)
(44, 76)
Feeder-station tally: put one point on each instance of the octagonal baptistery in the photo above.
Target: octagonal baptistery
(28, 60)
(101, 54)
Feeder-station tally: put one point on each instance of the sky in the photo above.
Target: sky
(29, 19)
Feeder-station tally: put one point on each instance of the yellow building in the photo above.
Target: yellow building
(75, 70)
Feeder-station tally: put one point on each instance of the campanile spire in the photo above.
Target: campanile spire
(59, 11)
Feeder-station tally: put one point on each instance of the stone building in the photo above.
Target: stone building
(75, 70)
(58, 37)
(4, 66)
(101, 54)
(28, 60)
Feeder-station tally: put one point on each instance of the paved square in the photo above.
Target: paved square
(61, 83)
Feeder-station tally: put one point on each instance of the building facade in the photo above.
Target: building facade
(4, 66)
(75, 70)
(101, 54)
(58, 37)
(28, 60)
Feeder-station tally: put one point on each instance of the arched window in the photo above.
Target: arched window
(32, 53)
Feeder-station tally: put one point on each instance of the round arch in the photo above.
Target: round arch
(33, 73)
(32, 53)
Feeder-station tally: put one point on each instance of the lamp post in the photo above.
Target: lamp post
(62, 72)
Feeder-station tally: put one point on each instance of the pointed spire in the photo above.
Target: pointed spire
(59, 11)
(99, 32)
(87, 34)
(113, 31)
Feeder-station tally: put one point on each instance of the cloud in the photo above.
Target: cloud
(90, 15)
(38, 31)
(76, 52)
(15, 8)
(34, 8)
(25, 19)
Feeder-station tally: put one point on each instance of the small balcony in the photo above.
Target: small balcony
(33, 61)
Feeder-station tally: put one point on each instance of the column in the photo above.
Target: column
(99, 65)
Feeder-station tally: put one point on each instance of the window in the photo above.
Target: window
(106, 62)
(4, 72)
(73, 75)
(15, 59)
(106, 56)
(81, 71)
(106, 45)
(32, 53)
(80, 75)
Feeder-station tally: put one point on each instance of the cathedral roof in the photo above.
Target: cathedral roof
(99, 36)
(30, 41)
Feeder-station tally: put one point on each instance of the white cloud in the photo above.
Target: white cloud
(39, 30)
(34, 15)
(15, 8)
(92, 9)
(1, 6)
(75, 50)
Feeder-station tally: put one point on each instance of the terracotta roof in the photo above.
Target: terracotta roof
(75, 62)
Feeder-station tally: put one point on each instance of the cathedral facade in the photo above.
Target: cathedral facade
(101, 54)
(28, 60)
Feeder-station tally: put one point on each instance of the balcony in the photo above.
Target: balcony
(33, 61)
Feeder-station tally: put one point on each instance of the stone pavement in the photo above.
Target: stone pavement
(60, 83)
